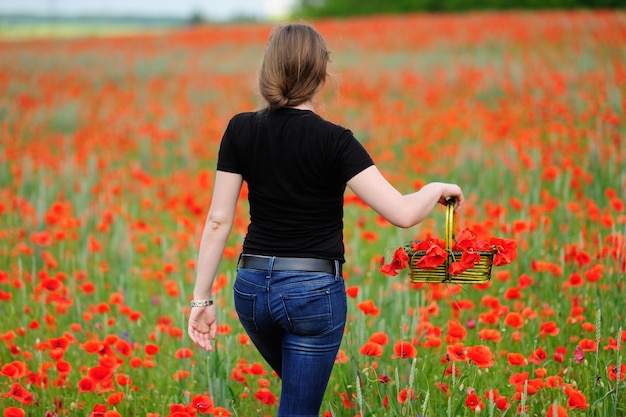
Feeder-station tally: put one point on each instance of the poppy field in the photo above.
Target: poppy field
(108, 150)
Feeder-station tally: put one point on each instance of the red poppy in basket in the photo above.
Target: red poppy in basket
(433, 253)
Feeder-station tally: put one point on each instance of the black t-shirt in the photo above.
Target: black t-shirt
(296, 165)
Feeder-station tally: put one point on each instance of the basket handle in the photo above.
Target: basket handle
(449, 223)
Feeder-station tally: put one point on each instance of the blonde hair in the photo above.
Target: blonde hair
(294, 64)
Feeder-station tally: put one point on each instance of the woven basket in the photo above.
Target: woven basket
(479, 274)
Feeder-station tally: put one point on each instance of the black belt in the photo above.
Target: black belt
(289, 264)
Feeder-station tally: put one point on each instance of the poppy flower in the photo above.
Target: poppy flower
(506, 251)
(434, 256)
(587, 345)
(612, 372)
(100, 373)
(257, 369)
(493, 335)
(265, 396)
(456, 331)
(480, 356)
(379, 337)
(19, 393)
(151, 349)
(406, 394)
(456, 352)
(115, 398)
(14, 412)
(548, 328)
(371, 349)
(180, 375)
(556, 410)
(465, 240)
(341, 357)
(516, 359)
(515, 320)
(352, 291)
(575, 399)
(99, 410)
(399, 260)
(538, 356)
(368, 308)
(86, 385)
(404, 350)
(202, 403)
(221, 412)
(474, 402)
(183, 353)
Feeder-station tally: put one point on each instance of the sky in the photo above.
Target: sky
(213, 9)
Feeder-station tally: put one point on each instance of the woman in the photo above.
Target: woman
(289, 292)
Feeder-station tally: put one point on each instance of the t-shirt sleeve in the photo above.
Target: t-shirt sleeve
(227, 157)
(353, 157)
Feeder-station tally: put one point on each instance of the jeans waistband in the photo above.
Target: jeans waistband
(277, 263)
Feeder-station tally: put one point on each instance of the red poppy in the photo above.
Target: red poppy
(493, 396)
(490, 334)
(115, 398)
(368, 307)
(474, 402)
(612, 372)
(594, 273)
(265, 396)
(575, 399)
(183, 353)
(86, 385)
(456, 331)
(406, 394)
(257, 369)
(456, 352)
(14, 412)
(221, 412)
(399, 260)
(20, 394)
(100, 373)
(352, 291)
(371, 349)
(203, 403)
(548, 328)
(180, 375)
(99, 410)
(516, 359)
(465, 240)
(434, 256)
(123, 347)
(506, 251)
(404, 350)
(515, 320)
(379, 337)
(556, 410)
(480, 356)
(587, 345)
(538, 356)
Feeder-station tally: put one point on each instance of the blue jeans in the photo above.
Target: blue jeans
(296, 320)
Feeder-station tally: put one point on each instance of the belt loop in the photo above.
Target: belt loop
(337, 273)
(238, 261)
(271, 266)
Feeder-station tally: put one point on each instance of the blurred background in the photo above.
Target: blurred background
(28, 18)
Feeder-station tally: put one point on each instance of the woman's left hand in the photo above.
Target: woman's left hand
(203, 326)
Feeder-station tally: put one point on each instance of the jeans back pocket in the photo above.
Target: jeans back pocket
(309, 313)
(245, 305)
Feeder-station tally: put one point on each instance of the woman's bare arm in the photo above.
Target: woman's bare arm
(402, 210)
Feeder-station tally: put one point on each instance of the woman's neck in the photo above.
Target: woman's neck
(307, 105)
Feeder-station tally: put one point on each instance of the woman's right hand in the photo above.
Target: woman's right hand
(451, 192)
